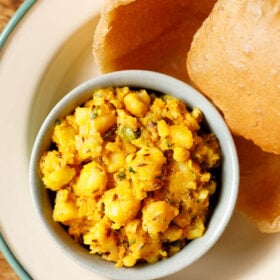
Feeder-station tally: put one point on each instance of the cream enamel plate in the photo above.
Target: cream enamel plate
(47, 54)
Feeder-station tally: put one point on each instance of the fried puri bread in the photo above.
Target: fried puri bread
(259, 192)
(148, 34)
(225, 63)
(235, 60)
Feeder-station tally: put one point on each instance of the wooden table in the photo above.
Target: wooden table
(6, 272)
(7, 9)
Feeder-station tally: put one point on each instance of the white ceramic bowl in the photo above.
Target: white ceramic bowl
(229, 175)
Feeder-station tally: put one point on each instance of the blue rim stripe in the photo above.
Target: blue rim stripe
(21, 11)
(16, 266)
(4, 249)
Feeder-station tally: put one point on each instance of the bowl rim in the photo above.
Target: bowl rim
(230, 173)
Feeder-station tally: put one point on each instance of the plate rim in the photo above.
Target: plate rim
(4, 35)
(14, 20)
(13, 262)
(17, 40)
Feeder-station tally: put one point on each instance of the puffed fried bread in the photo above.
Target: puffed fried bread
(148, 34)
(234, 60)
(259, 190)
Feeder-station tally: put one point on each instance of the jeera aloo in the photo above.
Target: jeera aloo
(133, 174)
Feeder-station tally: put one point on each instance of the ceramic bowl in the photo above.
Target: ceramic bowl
(227, 192)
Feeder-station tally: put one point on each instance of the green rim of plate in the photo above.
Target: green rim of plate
(4, 249)
(16, 266)
(18, 15)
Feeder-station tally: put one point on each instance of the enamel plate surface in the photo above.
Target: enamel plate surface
(46, 55)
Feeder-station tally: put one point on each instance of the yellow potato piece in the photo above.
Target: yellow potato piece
(157, 216)
(58, 178)
(147, 166)
(181, 136)
(120, 205)
(92, 180)
(104, 119)
(65, 210)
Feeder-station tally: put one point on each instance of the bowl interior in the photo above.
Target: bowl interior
(229, 174)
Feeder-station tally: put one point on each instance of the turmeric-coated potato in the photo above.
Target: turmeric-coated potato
(132, 172)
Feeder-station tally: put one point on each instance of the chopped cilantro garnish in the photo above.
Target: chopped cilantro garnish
(130, 169)
(121, 175)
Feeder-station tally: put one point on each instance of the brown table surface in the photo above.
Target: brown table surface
(6, 272)
(7, 9)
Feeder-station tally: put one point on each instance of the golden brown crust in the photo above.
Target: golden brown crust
(148, 34)
(235, 60)
(259, 194)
